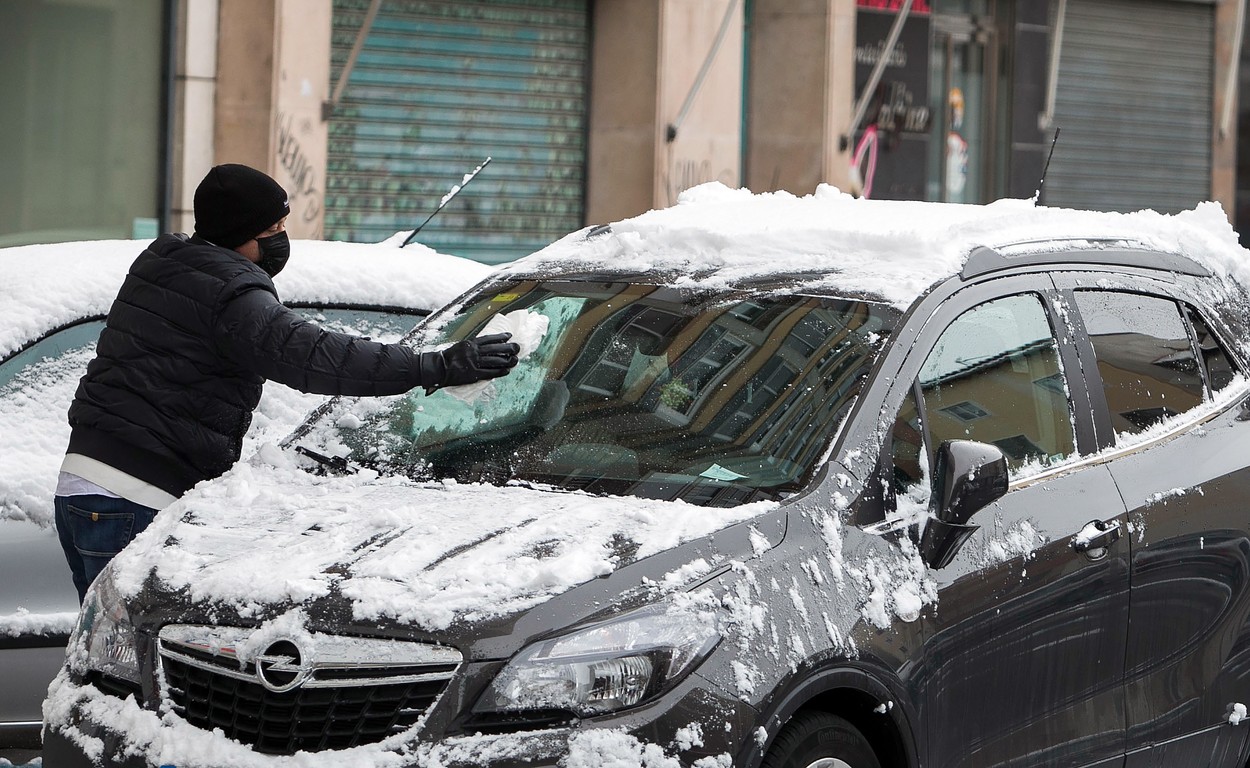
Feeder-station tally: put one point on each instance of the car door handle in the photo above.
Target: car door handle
(1096, 536)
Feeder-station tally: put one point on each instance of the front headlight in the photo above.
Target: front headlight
(607, 666)
(104, 633)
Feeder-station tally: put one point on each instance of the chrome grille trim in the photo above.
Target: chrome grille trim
(283, 693)
(216, 650)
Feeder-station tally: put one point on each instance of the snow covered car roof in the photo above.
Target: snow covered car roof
(895, 250)
(50, 285)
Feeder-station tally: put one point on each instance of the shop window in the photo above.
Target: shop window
(81, 88)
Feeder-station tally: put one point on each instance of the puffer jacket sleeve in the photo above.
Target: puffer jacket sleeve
(258, 333)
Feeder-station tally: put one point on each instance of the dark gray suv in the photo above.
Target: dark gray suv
(969, 505)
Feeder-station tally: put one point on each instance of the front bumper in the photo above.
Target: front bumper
(694, 724)
(93, 747)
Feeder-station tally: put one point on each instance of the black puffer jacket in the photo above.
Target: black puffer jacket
(193, 334)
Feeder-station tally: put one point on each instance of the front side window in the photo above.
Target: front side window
(61, 63)
(635, 390)
(994, 376)
(1145, 358)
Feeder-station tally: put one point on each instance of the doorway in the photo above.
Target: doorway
(965, 151)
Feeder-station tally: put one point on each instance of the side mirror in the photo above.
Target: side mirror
(968, 476)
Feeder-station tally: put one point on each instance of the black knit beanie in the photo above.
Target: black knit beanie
(235, 203)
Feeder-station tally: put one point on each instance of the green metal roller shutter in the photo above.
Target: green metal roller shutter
(437, 88)
(1133, 106)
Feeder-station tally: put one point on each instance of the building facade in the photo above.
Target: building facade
(371, 112)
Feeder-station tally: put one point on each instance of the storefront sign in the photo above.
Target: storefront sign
(917, 7)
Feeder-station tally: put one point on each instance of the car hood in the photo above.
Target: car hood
(268, 536)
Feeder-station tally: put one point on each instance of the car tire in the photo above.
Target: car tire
(820, 740)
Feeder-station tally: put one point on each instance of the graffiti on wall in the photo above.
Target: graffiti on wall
(306, 195)
(897, 110)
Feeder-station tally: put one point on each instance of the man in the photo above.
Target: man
(194, 332)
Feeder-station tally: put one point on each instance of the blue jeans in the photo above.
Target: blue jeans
(93, 529)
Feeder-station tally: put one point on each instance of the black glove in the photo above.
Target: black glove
(486, 357)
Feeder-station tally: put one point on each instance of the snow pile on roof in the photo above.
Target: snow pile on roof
(895, 249)
(425, 554)
(415, 277)
(50, 285)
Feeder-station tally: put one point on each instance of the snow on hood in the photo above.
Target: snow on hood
(425, 554)
(717, 236)
(50, 285)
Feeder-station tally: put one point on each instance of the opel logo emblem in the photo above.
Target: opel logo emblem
(282, 667)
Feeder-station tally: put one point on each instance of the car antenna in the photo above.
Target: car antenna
(455, 190)
(1038, 194)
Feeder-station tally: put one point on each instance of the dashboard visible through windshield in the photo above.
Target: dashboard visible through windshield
(630, 389)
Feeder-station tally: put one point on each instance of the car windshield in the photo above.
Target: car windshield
(629, 389)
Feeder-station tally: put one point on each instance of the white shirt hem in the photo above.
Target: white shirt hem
(115, 482)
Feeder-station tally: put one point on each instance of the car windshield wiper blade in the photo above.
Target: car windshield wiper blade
(310, 421)
(334, 463)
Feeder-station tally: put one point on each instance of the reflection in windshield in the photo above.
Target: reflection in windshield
(635, 389)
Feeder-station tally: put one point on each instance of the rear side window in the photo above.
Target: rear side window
(994, 376)
(49, 351)
(1146, 358)
(1219, 367)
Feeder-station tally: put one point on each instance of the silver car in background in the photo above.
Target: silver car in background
(53, 304)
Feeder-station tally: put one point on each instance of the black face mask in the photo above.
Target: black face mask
(274, 251)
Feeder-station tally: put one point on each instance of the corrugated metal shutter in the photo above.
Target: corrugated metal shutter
(437, 88)
(1133, 106)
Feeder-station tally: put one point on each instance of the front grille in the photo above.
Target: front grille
(311, 719)
(331, 692)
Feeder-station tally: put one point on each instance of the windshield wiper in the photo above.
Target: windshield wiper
(340, 465)
(309, 421)
(334, 463)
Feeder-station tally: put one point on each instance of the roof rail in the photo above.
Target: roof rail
(985, 260)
